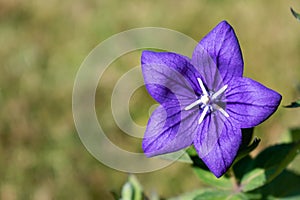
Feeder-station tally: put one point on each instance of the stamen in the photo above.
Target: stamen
(195, 103)
(219, 92)
(202, 87)
(219, 108)
(224, 112)
(207, 101)
(203, 114)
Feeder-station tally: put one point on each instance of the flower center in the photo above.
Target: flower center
(208, 101)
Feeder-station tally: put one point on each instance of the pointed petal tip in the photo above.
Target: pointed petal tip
(220, 50)
(215, 168)
(279, 98)
(250, 103)
(224, 22)
(149, 154)
(224, 25)
(146, 56)
(147, 149)
(145, 52)
(216, 165)
(217, 143)
(218, 173)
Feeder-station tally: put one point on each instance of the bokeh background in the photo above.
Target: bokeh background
(42, 45)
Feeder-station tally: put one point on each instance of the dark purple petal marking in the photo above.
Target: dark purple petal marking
(169, 131)
(166, 81)
(217, 142)
(158, 65)
(249, 103)
(223, 59)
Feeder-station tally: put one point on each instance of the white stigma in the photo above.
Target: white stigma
(207, 101)
(192, 105)
(205, 110)
(219, 92)
(202, 87)
(219, 108)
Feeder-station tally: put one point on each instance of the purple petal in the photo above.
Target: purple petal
(249, 103)
(217, 142)
(164, 72)
(169, 130)
(223, 58)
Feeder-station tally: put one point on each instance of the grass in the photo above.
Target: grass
(42, 47)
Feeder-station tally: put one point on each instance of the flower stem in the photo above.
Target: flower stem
(234, 180)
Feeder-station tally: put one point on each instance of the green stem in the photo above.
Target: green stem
(235, 182)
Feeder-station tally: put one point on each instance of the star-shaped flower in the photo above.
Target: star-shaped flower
(205, 100)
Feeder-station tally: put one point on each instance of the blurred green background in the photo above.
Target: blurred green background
(43, 43)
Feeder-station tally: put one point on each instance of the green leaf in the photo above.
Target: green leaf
(191, 151)
(276, 190)
(269, 164)
(245, 151)
(132, 189)
(295, 134)
(275, 158)
(220, 195)
(180, 156)
(138, 189)
(208, 178)
(296, 15)
(127, 191)
(242, 167)
(294, 104)
(209, 194)
(243, 162)
(254, 179)
(197, 162)
(188, 195)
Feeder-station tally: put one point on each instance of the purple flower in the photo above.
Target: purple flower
(204, 101)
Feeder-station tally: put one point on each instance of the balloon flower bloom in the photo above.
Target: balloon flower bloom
(204, 101)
